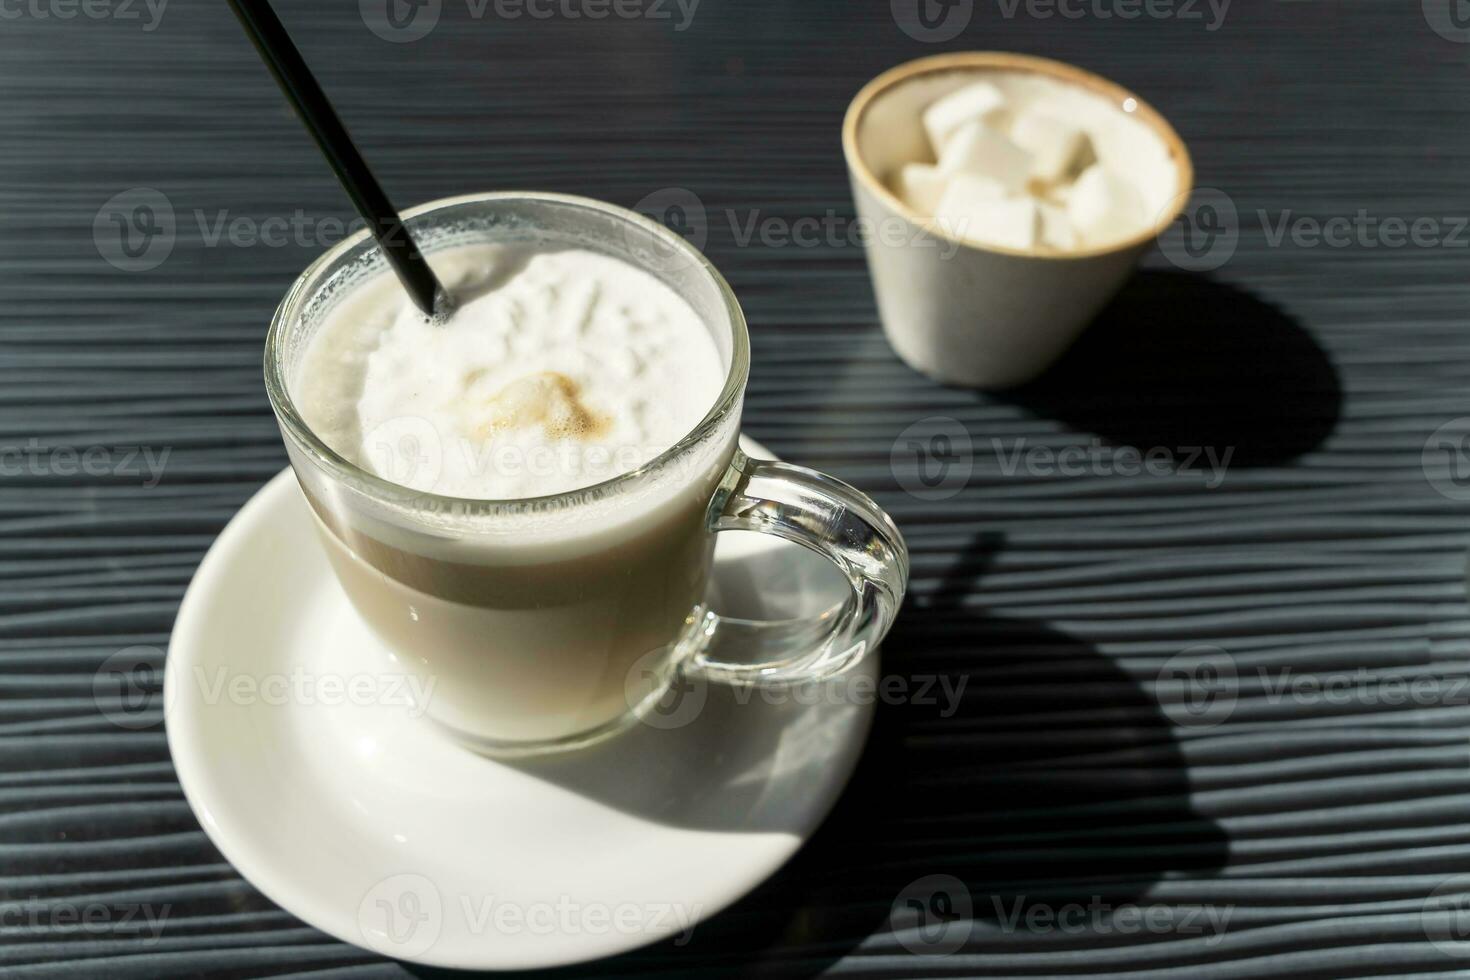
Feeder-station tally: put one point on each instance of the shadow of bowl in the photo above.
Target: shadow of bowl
(1180, 360)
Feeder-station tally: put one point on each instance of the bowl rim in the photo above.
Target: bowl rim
(992, 61)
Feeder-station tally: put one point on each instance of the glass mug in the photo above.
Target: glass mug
(552, 622)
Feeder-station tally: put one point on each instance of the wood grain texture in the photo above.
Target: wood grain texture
(1067, 775)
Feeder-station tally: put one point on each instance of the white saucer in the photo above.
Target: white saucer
(360, 819)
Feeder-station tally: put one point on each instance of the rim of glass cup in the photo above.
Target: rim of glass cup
(277, 385)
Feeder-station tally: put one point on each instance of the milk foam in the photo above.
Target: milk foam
(557, 370)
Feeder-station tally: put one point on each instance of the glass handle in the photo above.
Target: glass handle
(836, 521)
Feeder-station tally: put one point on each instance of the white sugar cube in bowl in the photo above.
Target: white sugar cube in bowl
(1057, 231)
(1010, 197)
(978, 100)
(977, 209)
(1057, 148)
(979, 148)
(1105, 207)
(922, 186)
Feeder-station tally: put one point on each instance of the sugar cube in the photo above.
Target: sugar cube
(1105, 207)
(972, 209)
(1056, 228)
(964, 189)
(1058, 149)
(980, 149)
(921, 185)
(971, 103)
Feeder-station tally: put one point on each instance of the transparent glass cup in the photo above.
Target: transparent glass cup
(549, 623)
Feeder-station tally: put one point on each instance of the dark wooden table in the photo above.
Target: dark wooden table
(1214, 722)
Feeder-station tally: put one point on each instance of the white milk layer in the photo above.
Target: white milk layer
(557, 370)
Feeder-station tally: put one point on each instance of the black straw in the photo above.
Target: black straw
(310, 102)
